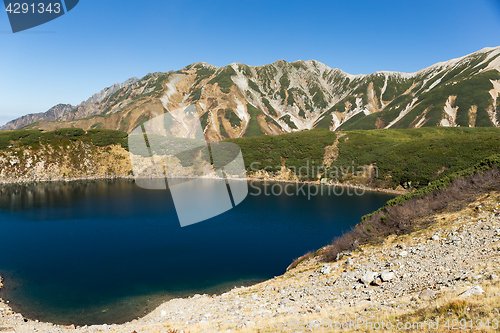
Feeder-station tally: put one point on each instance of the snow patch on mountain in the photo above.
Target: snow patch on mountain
(383, 91)
(495, 92)
(403, 113)
(170, 90)
(241, 81)
(435, 83)
(449, 120)
(495, 63)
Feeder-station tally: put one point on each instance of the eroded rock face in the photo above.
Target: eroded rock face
(53, 114)
(77, 160)
(62, 112)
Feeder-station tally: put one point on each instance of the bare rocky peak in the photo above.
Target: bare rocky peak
(61, 111)
(52, 114)
(106, 92)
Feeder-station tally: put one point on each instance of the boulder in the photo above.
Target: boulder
(325, 269)
(476, 291)
(387, 276)
(368, 277)
(491, 277)
(377, 282)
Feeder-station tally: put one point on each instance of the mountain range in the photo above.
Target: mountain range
(240, 101)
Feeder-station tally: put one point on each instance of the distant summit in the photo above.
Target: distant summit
(62, 112)
(53, 114)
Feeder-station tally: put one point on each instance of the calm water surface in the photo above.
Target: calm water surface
(107, 251)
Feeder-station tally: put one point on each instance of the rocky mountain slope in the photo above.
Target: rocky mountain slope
(53, 114)
(65, 112)
(239, 100)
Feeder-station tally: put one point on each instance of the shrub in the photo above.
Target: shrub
(223, 79)
(300, 259)
(407, 213)
(417, 156)
(253, 128)
(105, 137)
(300, 149)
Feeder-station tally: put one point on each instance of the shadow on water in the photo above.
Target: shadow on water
(108, 251)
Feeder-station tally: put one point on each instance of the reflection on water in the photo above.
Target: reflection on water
(106, 251)
(16, 197)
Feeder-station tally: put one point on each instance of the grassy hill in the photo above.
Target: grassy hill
(33, 138)
(414, 157)
(64, 154)
(403, 157)
(409, 158)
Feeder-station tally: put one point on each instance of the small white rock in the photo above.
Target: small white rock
(387, 276)
(325, 269)
(476, 291)
(403, 254)
(368, 277)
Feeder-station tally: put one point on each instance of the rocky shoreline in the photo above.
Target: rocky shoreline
(129, 177)
(65, 179)
(454, 260)
(338, 184)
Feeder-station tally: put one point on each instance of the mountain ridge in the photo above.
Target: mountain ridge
(241, 100)
(54, 113)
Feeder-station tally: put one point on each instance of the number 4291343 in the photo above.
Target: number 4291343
(40, 8)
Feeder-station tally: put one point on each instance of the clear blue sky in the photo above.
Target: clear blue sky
(101, 42)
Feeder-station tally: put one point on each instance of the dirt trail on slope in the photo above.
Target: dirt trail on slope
(332, 151)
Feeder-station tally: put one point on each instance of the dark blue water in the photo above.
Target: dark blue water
(107, 251)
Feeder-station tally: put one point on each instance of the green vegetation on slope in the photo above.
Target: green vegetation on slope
(253, 128)
(414, 211)
(301, 149)
(442, 183)
(233, 118)
(416, 156)
(33, 138)
(223, 79)
(288, 120)
(411, 158)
